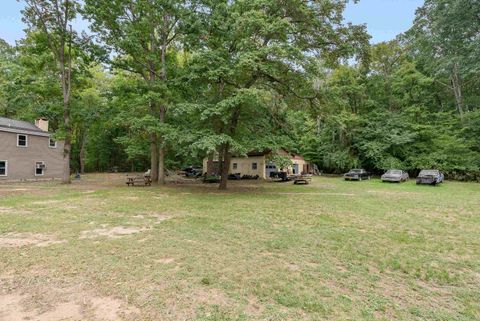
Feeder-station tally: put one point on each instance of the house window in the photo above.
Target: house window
(254, 166)
(52, 143)
(3, 168)
(235, 166)
(22, 140)
(39, 168)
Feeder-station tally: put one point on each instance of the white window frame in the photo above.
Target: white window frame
(6, 168)
(43, 170)
(52, 140)
(26, 140)
(234, 166)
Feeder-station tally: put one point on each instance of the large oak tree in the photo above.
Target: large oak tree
(53, 18)
(139, 36)
(254, 53)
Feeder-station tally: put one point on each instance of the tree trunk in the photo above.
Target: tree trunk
(210, 168)
(82, 152)
(66, 162)
(66, 87)
(67, 144)
(225, 165)
(220, 161)
(163, 108)
(161, 164)
(161, 151)
(154, 157)
(154, 142)
(457, 90)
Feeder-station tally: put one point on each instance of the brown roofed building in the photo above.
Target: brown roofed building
(27, 151)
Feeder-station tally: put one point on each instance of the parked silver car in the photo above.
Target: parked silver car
(395, 175)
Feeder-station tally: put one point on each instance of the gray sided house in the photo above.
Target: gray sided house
(27, 151)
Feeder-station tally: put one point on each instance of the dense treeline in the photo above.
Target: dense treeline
(166, 83)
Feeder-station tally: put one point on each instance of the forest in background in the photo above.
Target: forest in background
(161, 84)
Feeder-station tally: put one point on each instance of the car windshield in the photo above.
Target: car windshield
(394, 172)
(356, 171)
(429, 172)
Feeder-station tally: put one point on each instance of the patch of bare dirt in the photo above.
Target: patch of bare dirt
(110, 309)
(113, 232)
(54, 304)
(161, 196)
(14, 211)
(313, 193)
(254, 307)
(15, 190)
(293, 267)
(392, 193)
(12, 240)
(159, 217)
(132, 198)
(184, 305)
(167, 260)
(399, 291)
(211, 296)
(47, 202)
(4, 210)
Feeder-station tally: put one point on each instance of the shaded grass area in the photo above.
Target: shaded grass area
(261, 251)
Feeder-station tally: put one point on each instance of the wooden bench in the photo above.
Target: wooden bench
(302, 179)
(139, 180)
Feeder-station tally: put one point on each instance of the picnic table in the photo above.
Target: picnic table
(302, 179)
(144, 180)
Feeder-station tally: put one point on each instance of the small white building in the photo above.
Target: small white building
(261, 164)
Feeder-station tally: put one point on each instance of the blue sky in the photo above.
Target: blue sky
(384, 18)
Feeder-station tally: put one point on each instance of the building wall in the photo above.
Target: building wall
(301, 166)
(21, 160)
(244, 165)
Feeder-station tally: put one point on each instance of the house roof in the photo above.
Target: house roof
(20, 126)
(259, 153)
(282, 152)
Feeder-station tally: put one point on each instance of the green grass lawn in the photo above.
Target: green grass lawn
(332, 250)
